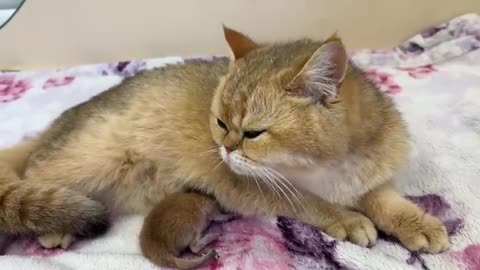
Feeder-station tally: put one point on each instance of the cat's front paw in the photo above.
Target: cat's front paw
(422, 233)
(354, 227)
(53, 240)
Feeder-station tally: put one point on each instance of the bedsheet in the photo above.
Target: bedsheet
(434, 78)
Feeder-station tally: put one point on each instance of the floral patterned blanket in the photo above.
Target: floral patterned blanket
(434, 77)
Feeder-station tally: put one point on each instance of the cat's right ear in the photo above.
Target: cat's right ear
(239, 43)
(322, 75)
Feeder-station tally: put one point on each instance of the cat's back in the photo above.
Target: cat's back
(175, 90)
(195, 77)
(179, 87)
(152, 125)
(192, 77)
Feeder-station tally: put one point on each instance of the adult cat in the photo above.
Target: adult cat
(241, 130)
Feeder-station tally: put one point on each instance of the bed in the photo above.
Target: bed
(434, 78)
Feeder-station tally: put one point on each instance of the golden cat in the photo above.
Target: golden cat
(291, 129)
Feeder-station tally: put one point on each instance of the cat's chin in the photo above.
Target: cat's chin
(240, 165)
(239, 171)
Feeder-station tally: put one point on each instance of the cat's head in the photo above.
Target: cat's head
(278, 104)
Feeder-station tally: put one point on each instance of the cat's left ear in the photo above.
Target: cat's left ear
(322, 75)
(239, 43)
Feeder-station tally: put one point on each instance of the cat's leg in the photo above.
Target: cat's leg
(220, 217)
(200, 242)
(44, 209)
(30, 207)
(53, 240)
(55, 212)
(67, 188)
(112, 177)
(397, 216)
(243, 197)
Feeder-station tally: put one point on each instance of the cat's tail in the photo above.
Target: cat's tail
(15, 158)
(38, 208)
(29, 207)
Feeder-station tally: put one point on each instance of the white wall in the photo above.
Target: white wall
(68, 32)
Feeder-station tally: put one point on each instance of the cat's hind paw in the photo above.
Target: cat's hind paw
(54, 240)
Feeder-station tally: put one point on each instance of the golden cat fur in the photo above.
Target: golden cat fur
(243, 131)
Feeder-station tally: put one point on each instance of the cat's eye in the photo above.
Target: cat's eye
(252, 134)
(222, 124)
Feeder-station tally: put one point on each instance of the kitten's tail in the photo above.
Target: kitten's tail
(29, 207)
(191, 263)
(163, 258)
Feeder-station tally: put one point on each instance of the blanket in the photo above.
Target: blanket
(434, 78)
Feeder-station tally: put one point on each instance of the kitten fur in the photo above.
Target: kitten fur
(177, 223)
(291, 129)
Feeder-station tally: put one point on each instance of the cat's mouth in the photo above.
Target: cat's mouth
(239, 163)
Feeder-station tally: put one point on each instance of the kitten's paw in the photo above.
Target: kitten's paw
(53, 240)
(422, 233)
(354, 227)
(201, 243)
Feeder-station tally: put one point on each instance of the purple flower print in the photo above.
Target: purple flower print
(411, 48)
(430, 32)
(384, 81)
(419, 72)
(470, 257)
(124, 68)
(249, 243)
(12, 88)
(307, 241)
(56, 82)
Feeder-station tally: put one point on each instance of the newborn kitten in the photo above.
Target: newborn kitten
(288, 129)
(177, 223)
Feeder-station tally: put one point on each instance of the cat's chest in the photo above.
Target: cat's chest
(337, 182)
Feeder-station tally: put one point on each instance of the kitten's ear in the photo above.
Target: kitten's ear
(239, 43)
(323, 73)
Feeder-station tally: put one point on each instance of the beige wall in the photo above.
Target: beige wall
(67, 32)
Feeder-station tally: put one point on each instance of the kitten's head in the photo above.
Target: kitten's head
(277, 106)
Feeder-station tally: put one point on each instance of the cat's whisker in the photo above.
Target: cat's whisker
(268, 179)
(275, 181)
(218, 164)
(295, 193)
(211, 150)
(268, 183)
(282, 180)
(250, 172)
